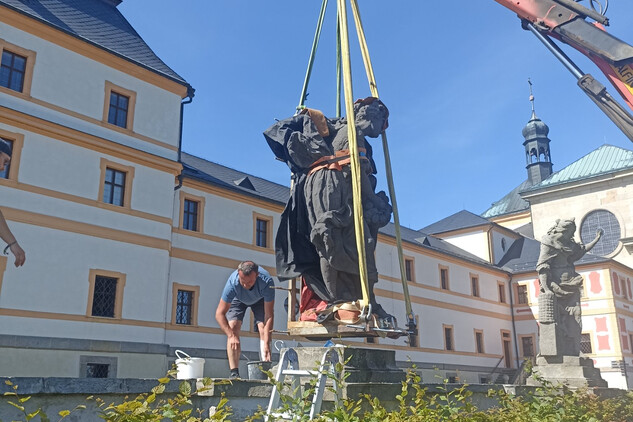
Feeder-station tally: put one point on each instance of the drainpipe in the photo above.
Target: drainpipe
(189, 99)
(514, 328)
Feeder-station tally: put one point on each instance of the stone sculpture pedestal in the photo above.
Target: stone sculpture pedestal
(362, 365)
(573, 371)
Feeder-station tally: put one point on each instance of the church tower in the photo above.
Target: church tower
(537, 152)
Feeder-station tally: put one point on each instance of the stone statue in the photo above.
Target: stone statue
(316, 237)
(560, 290)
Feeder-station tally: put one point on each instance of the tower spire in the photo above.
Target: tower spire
(532, 98)
(537, 152)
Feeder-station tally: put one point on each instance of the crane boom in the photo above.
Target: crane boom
(565, 21)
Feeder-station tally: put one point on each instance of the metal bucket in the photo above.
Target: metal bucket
(255, 368)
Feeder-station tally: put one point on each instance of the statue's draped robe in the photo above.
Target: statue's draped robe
(316, 236)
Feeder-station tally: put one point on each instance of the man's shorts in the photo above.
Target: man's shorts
(238, 309)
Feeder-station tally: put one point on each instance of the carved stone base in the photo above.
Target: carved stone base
(360, 365)
(573, 371)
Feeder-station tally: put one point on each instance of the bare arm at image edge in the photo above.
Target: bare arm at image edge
(7, 236)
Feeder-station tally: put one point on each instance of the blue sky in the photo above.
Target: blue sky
(453, 74)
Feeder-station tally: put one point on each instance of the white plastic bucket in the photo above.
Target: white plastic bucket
(188, 367)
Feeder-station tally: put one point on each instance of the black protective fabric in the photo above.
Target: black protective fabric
(316, 236)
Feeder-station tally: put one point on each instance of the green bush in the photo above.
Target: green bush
(415, 403)
(151, 407)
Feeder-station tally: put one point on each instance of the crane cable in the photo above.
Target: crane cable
(343, 60)
(392, 192)
(354, 159)
(315, 44)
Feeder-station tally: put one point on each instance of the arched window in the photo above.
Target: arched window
(605, 220)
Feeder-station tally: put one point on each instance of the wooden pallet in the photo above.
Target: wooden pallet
(330, 329)
(314, 330)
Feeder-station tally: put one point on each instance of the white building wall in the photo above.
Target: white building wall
(475, 243)
(55, 210)
(79, 86)
(56, 281)
(501, 242)
(436, 308)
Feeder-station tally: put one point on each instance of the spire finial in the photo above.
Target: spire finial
(531, 98)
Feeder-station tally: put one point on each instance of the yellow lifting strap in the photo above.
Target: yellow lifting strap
(355, 162)
(358, 212)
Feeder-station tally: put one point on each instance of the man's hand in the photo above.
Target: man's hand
(19, 254)
(234, 342)
(266, 350)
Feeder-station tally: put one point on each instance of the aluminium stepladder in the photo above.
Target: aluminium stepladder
(289, 366)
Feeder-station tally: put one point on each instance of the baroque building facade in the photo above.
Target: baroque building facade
(129, 240)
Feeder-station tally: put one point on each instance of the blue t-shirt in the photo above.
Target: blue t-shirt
(261, 289)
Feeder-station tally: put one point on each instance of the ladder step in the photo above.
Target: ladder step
(300, 372)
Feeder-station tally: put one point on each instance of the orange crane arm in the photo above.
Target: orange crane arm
(565, 21)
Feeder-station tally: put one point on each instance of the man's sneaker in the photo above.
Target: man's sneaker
(234, 376)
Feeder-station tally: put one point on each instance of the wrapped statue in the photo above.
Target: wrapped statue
(561, 289)
(316, 237)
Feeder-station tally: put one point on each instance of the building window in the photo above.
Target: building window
(116, 183)
(16, 68)
(261, 233)
(114, 187)
(605, 220)
(507, 348)
(409, 269)
(184, 307)
(190, 216)
(527, 346)
(12, 71)
(117, 113)
(97, 370)
(484, 379)
(444, 283)
(185, 304)
(105, 294)
(262, 230)
(414, 340)
(502, 292)
(119, 106)
(474, 285)
(4, 174)
(522, 294)
(16, 141)
(452, 378)
(104, 297)
(292, 316)
(479, 341)
(448, 338)
(97, 367)
(585, 343)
